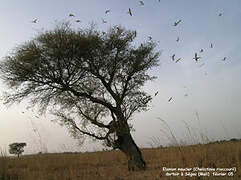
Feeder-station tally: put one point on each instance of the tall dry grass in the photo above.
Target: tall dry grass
(3, 165)
(113, 164)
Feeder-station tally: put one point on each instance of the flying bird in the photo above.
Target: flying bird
(156, 93)
(177, 39)
(130, 12)
(71, 15)
(178, 59)
(103, 21)
(224, 59)
(107, 11)
(177, 22)
(34, 21)
(196, 57)
(141, 3)
(78, 21)
(201, 50)
(220, 14)
(173, 57)
(169, 99)
(211, 45)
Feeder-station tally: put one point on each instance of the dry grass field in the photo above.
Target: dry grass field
(113, 164)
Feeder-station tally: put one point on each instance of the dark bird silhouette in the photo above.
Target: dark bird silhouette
(224, 59)
(177, 39)
(196, 57)
(141, 3)
(169, 99)
(78, 21)
(71, 15)
(201, 50)
(34, 21)
(178, 59)
(135, 33)
(173, 57)
(156, 93)
(130, 12)
(177, 22)
(211, 45)
(107, 11)
(220, 14)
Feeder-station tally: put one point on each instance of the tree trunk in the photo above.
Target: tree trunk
(127, 145)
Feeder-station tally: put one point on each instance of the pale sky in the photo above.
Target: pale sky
(206, 95)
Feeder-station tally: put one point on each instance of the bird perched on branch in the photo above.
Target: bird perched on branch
(134, 33)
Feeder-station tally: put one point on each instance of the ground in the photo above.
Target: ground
(113, 164)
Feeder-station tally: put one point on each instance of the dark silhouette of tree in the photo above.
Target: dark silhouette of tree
(90, 80)
(16, 148)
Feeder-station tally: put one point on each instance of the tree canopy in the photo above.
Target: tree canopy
(17, 148)
(85, 71)
(88, 78)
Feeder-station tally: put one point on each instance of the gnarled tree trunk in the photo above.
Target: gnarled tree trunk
(133, 153)
(127, 145)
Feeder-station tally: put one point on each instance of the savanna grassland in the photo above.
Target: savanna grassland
(113, 164)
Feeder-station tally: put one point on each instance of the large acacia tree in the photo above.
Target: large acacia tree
(90, 80)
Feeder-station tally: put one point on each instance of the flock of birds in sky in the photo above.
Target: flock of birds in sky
(176, 23)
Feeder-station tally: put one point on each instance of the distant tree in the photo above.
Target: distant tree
(16, 148)
(90, 80)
